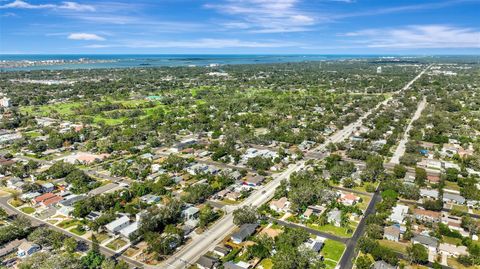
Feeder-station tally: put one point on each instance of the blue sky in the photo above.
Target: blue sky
(240, 26)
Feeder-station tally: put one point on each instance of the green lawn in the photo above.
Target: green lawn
(451, 185)
(68, 223)
(77, 231)
(451, 240)
(395, 246)
(332, 250)
(100, 237)
(28, 210)
(117, 244)
(267, 264)
(330, 264)
(462, 208)
(331, 229)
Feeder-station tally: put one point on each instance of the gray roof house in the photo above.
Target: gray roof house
(427, 241)
(391, 233)
(245, 231)
(207, 262)
(190, 213)
(118, 224)
(335, 217)
(382, 265)
(454, 198)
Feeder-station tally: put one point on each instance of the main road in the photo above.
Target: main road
(209, 239)
(400, 150)
(104, 250)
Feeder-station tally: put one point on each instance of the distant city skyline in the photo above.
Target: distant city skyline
(240, 27)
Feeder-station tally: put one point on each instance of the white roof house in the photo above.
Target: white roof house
(118, 224)
(398, 213)
(130, 229)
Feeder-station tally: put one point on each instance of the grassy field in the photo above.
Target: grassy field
(451, 185)
(331, 229)
(332, 251)
(66, 110)
(117, 244)
(28, 210)
(77, 231)
(266, 264)
(68, 223)
(396, 246)
(462, 208)
(451, 240)
(365, 201)
(100, 237)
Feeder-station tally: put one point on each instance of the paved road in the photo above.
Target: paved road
(350, 253)
(207, 241)
(105, 251)
(400, 150)
(310, 230)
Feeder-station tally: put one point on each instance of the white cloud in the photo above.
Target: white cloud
(205, 43)
(417, 36)
(85, 36)
(73, 6)
(265, 16)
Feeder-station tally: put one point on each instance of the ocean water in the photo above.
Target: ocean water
(130, 61)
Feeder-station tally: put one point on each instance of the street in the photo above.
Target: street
(400, 150)
(105, 251)
(208, 240)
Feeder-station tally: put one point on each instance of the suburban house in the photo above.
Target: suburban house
(398, 214)
(451, 250)
(47, 199)
(253, 181)
(453, 198)
(245, 231)
(11, 247)
(382, 265)
(221, 251)
(118, 224)
(348, 198)
(129, 230)
(47, 187)
(207, 262)
(335, 217)
(150, 199)
(429, 193)
(190, 213)
(426, 215)
(429, 242)
(280, 205)
(238, 265)
(306, 215)
(314, 244)
(392, 233)
(26, 249)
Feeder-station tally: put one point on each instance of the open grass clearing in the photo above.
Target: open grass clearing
(331, 229)
(27, 210)
(117, 244)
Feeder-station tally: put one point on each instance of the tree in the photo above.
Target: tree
(207, 215)
(93, 259)
(349, 183)
(417, 253)
(364, 262)
(420, 176)
(70, 245)
(3, 214)
(246, 214)
(46, 237)
(399, 171)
